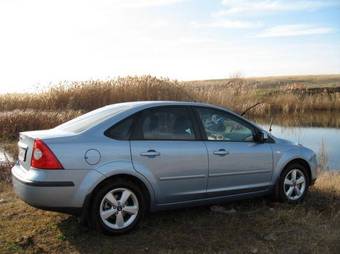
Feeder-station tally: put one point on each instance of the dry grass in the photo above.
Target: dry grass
(312, 119)
(235, 93)
(46, 109)
(89, 95)
(12, 122)
(252, 226)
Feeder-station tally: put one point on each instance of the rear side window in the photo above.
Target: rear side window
(121, 130)
(166, 124)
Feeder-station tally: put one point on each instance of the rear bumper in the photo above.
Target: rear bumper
(32, 193)
(51, 190)
(43, 184)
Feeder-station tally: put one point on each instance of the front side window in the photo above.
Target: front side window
(219, 125)
(166, 124)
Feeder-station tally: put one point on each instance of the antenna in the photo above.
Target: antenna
(253, 106)
(271, 123)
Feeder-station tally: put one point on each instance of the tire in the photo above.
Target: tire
(289, 190)
(109, 201)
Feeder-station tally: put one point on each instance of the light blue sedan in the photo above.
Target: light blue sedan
(113, 164)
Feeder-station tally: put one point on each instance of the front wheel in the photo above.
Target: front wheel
(117, 207)
(293, 184)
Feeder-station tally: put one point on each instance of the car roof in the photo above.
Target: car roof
(138, 104)
(130, 108)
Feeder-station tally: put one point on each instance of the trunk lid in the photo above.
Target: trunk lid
(26, 142)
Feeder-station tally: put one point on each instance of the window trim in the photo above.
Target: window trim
(136, 135)
(253, 129)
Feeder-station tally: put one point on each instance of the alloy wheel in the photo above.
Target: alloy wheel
(119, 208)
(294, 184)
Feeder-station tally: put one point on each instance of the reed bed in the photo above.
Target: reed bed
(92, 94)
(12, 122)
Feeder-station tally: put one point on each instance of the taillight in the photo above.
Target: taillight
(43, 157)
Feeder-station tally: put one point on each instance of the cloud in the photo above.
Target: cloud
(146, 3)
(225, 23)
(294, 30)
(253, 6)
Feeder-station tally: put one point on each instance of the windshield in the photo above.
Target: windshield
(92, 118)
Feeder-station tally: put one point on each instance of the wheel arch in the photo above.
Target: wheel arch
(128, 177)
(89, 198)
(302, 162)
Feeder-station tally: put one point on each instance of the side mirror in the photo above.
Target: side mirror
(261, 136)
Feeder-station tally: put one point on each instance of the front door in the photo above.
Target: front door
(165, 149)
(237, 164)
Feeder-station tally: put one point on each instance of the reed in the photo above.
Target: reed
(12, 122)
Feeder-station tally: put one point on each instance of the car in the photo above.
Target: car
(112, 165)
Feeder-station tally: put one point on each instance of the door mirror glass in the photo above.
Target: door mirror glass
(261, 136)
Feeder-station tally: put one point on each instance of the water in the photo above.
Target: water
(317, 131)
(314, 138)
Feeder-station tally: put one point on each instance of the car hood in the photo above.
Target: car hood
(290, 143)
(285, 141)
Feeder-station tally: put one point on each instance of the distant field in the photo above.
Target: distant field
(277, 82)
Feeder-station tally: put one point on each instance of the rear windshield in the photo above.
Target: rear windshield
(92, 118)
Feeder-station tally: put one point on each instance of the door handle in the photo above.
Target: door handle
(221, 152)
(150, 153)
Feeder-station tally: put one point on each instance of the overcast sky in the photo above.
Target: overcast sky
(43, 41)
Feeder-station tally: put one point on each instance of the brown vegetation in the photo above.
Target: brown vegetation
(89, 95)
(12, 122)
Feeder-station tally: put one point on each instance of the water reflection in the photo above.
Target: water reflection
(308, 119)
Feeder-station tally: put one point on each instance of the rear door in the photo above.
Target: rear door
(237, 164)
(166, 149)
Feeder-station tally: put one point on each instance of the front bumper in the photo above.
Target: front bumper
(313, 164)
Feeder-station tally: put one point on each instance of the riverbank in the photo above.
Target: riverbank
(250, 226)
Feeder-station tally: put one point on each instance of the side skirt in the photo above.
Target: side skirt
(233, 196)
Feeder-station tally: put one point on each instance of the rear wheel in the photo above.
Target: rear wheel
(117, 207)
(293, 184)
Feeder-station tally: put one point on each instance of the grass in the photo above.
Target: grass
(249, 226)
